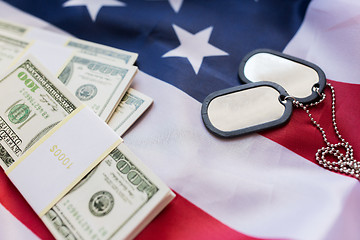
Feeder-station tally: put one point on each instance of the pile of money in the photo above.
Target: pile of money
(100, 76)
(121, 195)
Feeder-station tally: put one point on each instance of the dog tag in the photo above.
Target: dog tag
(245, 109)
(301, 79)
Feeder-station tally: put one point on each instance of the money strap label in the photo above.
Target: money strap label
(59, 160)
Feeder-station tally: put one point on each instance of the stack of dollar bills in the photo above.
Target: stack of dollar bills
(44, 77)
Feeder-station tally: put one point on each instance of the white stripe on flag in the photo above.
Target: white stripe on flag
(11, 228)
(329, 37)
(251, 184)
(11, 13)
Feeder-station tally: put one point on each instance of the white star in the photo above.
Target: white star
(176, 4)
(194, 47)
(94, 6)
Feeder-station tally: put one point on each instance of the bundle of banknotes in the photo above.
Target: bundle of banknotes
(44, 77)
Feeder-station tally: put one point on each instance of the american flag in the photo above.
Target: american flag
(266, 185)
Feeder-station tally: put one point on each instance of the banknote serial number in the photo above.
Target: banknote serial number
(61, 156)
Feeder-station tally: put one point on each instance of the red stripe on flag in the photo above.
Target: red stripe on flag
(183, 220)
(303, 138)
(180, 219)
(14, 202)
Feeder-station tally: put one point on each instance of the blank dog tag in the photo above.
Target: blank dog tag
(245, 109)
(296, 76)
(273, 80)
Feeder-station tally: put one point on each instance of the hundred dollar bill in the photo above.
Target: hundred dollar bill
(131, 107)
(11, 48)
(94, 49)
(103, 52)
(12, 28)
(31, 103)
(97, 83)
(116, 200)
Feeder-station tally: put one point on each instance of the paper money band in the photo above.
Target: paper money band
(59, 160)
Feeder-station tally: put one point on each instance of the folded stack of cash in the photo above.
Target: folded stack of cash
(121, 195)
(100, 76)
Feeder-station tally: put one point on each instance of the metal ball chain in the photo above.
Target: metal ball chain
(345, 163)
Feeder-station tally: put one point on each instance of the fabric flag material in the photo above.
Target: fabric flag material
(11, 228)
(259, 186)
